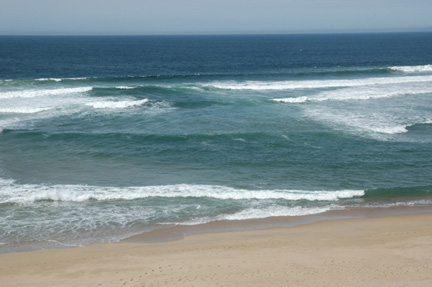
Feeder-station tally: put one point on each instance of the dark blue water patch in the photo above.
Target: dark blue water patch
(420, 132)
(109, 56)
(267, 160)
(420, 128)
(182, 96)
(189, 80)
(398, 192)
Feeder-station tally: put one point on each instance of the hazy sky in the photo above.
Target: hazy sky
(209, 17)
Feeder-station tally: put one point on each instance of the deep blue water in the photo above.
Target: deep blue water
(104, 137)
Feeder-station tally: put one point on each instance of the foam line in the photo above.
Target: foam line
(43, 93)
(116, 104)
(362, 93)
(412, 69)
(315, 84)
(125, 88)
(15, 193)
(23, 110)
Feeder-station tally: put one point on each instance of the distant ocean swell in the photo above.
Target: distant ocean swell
(164, 93)
(338, 71)
(390, 75)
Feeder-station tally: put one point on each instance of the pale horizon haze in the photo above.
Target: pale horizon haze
(151, 17)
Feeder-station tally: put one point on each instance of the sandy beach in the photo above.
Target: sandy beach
(386, 251)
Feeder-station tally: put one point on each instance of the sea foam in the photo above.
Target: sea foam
(292, 100)
(392, 121)
(116, 104)
(125, 88)
(273, 211)
(369, 92)
(61, 79)
(315, 84)
(29, 193)
(49, 79)
(263, 212)
(412, 69)
(23, 110)
(43, 92)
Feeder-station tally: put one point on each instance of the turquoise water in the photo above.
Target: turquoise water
(105, 137)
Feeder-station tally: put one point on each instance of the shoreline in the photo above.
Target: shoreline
(180, 231)
(381, 251)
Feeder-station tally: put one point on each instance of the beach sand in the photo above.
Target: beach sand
(386, 251)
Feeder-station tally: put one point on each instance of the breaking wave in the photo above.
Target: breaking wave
(11, 192)
(412, 69)
(362, 93)
(315, 84)
(43, 93)
(116, 104)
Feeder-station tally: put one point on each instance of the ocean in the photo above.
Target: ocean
(105, 137)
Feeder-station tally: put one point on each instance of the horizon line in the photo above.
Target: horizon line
(236, 33)
(218, 34)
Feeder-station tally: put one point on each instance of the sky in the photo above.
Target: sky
(150, 17)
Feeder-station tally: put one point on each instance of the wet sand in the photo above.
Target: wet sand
(384, 251)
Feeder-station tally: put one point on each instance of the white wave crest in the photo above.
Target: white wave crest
(28, 193)
(371, 118)
(43, 93)
(61, 79)
(390, 129)
(412, 69)
(116, 104)
(49, 79)
(363, 93)
(125, 88)
(7, 124)
(77, 78)
(314, 84)
(23, 110)
(292, 100)
(257, 213)
(274, 211)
